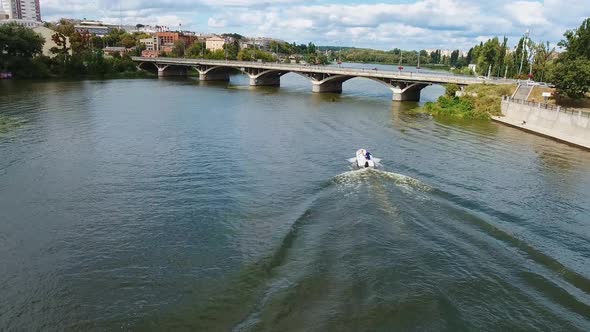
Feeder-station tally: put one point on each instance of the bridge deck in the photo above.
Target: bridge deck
(429, 78)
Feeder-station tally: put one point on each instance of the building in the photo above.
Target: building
(49, 43)
(214, 43)
(112, 50)
(28, 10)
(166, 40)
(28, 23)
(94, 27)
(152, 49)
(3, 12)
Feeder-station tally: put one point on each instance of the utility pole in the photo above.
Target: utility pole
(526, 36)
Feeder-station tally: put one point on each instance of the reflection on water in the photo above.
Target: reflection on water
(178, 204)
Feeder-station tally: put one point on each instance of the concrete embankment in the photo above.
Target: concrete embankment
(567, 125)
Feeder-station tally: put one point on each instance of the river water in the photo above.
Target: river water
(163, 204)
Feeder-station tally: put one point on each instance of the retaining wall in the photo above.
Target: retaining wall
(568, 125)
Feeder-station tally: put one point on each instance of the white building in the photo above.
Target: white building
(215, 43)
(28, 10)
(28, 23)
(3, 15)
(151, 44)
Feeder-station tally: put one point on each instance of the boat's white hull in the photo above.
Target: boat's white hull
(362, 161)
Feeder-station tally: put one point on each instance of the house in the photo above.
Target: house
(214, 43)
(48, 34)
(165, 40)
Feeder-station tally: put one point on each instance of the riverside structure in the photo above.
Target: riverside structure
(406, 86)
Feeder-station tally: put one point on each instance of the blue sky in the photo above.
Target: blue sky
(407, 24)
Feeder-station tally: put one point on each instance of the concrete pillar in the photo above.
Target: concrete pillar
(214, 76)
(329, 86)
(171, 71)
(411, 94)
(265, 80)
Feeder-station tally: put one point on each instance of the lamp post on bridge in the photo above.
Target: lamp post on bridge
(524, 42)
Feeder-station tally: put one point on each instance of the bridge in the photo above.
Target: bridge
(406, 86)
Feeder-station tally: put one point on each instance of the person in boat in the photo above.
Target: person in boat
(368, 155)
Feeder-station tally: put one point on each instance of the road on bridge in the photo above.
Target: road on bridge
(405, 85)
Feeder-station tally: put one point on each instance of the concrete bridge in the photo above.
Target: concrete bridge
(406, 86)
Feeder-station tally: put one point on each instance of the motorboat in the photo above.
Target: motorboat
(364, 159)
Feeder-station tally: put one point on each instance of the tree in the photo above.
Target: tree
(577, 42)
(128, 41)
(231, 49)
(454, 58)
(62, 45)
(178, 49)
(572, 77)
(18, 45)
(196, 50)
(65, 27)
(543, 54)
(488, 55)
(571, 74)
(80, 42)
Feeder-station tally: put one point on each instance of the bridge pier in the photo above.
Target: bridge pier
(166, 71)
(407, 91)
(329, 86)
(265, 80)
(214, 76)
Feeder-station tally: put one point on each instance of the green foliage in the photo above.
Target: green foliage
(178, 49)
(196, 50)
(577, 42)
(451, 107)
(216, 55)
(480, 102)
(572, 77)
(18, 45)
(21, 47)
(487, 98)
(451, 90)
(251, 54)
(231, 49)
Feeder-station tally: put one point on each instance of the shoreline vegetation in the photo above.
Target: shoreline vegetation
(476, 102)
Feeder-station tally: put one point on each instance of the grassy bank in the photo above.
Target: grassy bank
(537, 96)
(480, 101)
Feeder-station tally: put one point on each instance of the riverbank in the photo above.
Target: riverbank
(566, 125)
(477, 101)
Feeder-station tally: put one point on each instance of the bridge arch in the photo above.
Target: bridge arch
(213, 73)
(404, 86)
(263, 76)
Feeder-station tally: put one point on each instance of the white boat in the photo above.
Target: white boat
(364, 159)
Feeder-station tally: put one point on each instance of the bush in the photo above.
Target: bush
(451, 90)
(452, 106)
(481, 102)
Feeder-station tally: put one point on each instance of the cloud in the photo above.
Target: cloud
(526, 13)
(403, 23)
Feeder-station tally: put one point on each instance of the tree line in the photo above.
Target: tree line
(21, 52)
(275, 51)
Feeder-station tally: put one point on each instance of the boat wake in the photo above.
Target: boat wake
(373, 242)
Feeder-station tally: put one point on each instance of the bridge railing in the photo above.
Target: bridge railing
(349, 71)
(550, 107)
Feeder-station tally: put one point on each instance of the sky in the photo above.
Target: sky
(405, 24)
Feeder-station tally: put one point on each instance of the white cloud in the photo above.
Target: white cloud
(415, 24)
(526, 13)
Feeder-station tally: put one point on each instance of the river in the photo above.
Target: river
(159, 204)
